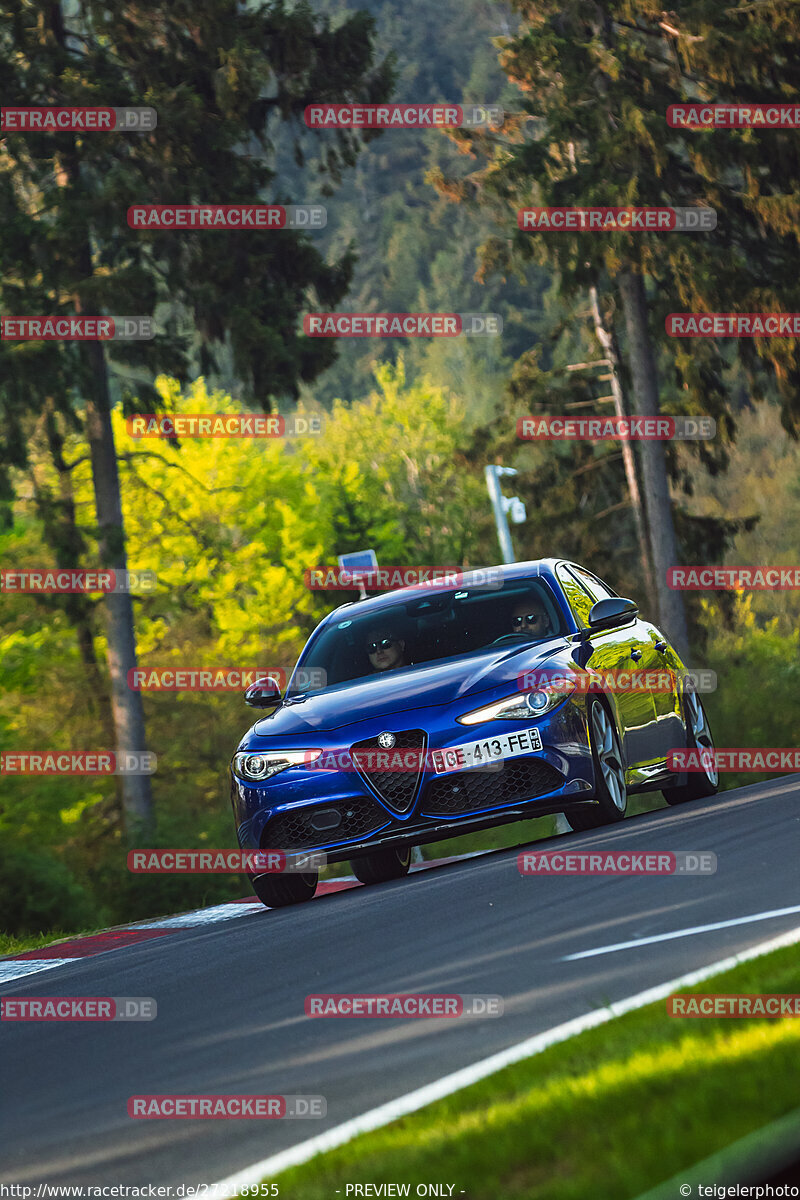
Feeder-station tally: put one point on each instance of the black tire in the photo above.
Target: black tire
(382, 866)
(611, 801)
(698, 737)
(279, 891)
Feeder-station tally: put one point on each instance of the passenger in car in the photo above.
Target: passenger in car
(530, 617)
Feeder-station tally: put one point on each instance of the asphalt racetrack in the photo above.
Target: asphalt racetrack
(231, 995)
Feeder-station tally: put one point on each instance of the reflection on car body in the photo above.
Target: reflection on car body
(452, 695)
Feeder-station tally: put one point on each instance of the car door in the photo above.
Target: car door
(666, 695)
(657, 660)
(619, 651)
(648, 657)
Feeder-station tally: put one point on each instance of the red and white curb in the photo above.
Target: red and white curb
(59, 954)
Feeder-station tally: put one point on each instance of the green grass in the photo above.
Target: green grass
(607, 1114)
(34, 941)
(499, 838)
(521, 832)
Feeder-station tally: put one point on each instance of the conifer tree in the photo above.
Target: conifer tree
(224, 79)
(597, 79)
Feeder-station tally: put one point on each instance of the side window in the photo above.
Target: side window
(579, 600)
(592, 584)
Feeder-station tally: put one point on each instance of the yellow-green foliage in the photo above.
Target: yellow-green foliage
(229, 526)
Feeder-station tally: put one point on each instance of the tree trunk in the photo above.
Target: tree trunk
(62, 534)
(607, 342)
(126, 704)
(658, 506)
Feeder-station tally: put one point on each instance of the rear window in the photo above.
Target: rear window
(593, 585)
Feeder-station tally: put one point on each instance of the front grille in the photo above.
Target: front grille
(293, 830)
(472, 791)
(396, 788)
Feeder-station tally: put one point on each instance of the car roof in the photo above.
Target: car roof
(474, 578)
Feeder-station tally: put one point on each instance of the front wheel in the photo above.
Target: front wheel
(698, 737)
(611, 791)
(382, 866)
(279, 891)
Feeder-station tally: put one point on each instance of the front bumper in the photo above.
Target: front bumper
(340, 814)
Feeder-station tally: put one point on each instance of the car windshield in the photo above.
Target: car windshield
(443, 625)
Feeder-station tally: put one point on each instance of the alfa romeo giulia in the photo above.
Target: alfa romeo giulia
(434, 711)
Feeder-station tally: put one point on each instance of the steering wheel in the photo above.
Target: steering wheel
(509, 637)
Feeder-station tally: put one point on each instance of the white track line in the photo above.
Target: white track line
(17, 968)
(679, 933)
(413, 1101)
(201, 916)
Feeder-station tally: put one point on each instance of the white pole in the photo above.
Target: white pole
(503, 533)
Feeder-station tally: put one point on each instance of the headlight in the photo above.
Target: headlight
(526, 706)
(271, 762)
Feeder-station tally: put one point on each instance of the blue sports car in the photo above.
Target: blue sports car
(433, 711)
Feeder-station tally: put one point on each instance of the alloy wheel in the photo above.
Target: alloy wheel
(609, 756)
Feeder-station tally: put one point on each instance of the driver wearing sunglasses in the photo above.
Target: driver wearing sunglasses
(385, 651)
(530, 617)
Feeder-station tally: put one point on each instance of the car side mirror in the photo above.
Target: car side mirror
(615, 610)
(263, 693)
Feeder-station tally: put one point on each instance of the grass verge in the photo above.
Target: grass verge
(502, 837)
(607, 1114)
(9, 944)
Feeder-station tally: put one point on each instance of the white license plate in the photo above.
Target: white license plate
(488, 750)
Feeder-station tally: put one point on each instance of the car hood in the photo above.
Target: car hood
(431, 685)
